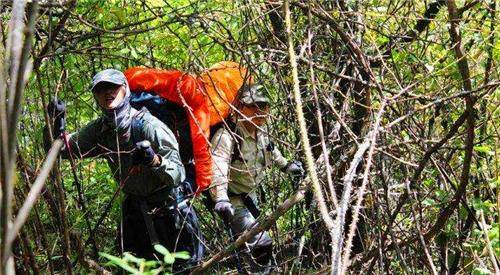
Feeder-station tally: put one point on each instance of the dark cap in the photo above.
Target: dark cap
(109, 75)
(253, 94)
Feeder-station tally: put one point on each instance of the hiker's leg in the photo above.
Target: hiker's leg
(135, 237)
(191, 238)
(260, 245)
(181, 233)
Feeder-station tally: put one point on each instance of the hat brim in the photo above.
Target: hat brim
(250, 101)
(112, 81)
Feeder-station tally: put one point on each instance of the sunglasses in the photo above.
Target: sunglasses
(105, 86)
(259, 105)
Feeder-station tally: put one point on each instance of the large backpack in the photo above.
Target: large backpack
(176, 120)
(189, 105)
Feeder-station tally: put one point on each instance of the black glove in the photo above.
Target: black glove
(295, 169)
(224, 208)
(143, 153)
(270, 146)
(57, 112)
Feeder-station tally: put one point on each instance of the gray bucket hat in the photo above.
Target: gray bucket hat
(253, 94)
(109, 75)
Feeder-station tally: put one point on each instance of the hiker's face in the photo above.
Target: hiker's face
(256, 113)
(109, 95)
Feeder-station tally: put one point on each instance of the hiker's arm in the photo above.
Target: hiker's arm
(82, 144)
(275, 155)
(170, 171)
(222, 147)
(293, 167)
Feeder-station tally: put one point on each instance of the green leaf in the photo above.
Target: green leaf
(382, 39)
(428, 202)
(480, 271)
(441, 194)
(155, 3)
(131, 258)
(161, 249)
(463, 212)
(119, 262)
(168, 258)
(494, 183)
(134, 53)
(483, 149)
(182, 255)
(484, 206)
(124, 51)
(151, 263)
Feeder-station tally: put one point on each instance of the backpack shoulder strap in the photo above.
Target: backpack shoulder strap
(236, 153)
(137, 125)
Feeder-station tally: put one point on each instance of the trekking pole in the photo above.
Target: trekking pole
(130, 171)
(81, 198)
(108, 206)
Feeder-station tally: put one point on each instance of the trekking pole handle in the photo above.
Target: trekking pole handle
(145, 155)
(143, 145)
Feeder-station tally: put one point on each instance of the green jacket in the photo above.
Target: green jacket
(98, 139)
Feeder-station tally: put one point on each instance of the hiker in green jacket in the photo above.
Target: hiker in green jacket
(240, 158)
(143, 155)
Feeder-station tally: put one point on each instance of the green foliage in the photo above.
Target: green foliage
(134, 265)
(481, 271)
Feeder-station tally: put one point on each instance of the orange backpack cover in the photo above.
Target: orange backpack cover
(207, 100)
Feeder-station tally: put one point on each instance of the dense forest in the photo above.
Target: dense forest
(391, 106)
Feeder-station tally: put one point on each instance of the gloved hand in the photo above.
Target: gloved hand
(57, 112)
(143, 154)
(224, 208)
(295, 169)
